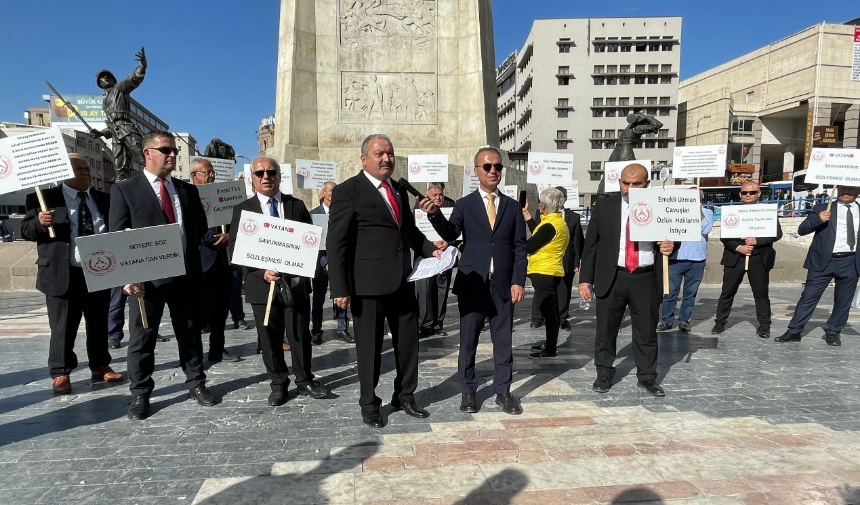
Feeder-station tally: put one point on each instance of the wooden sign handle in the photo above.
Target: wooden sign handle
(665, 274)
(142, 313)
(269, 303)
(223, 228)
(746, 263)
(44, 209)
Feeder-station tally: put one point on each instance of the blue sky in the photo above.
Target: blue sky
(213, 63)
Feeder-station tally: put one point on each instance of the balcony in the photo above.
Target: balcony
(526, 115)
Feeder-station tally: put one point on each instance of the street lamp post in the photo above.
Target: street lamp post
(697, 127)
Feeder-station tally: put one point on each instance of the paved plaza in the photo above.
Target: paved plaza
(745, 420)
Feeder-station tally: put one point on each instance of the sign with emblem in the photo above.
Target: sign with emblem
(427, 168)
(834, 166)
(742, 221)
(665, 214)
(33, 159)
(572, 189)
(554, 169)
(271, 243)
(218, 200)
(223, 168)
(690, 162)
(423, 223)
(115, 259)
(612, 173)
(312, 174)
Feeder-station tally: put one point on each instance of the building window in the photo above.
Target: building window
(610, 112)
(611, 81)
(624, 80)
(609, 134)
(742, 126)
(612, 48)
(640, 69)
(649, 144)
(595, 176)
(561, 144)
(596, 112)
(641, 47)
(651, 100)
(562, 102)
(750, 96)
(597, 134)
(664, 112)
(625, 47)
(665, 68)
(662, 144)
(597, 102)
(654, 46)
(599, 48)
(598, 69)
(599, 81)
(625, 69)
(639, 100)
(663, 133)
(561, 134)
(652, 79)
(611, 69)
(624, 100)
(610, 102)
(639, 79)
(563, 81)
(666, 79)
(596, 165)
(596, 144)
(562, 112)
(652, 68)
(665, 100)
(564, 48)
(563, 70)
(667, 46)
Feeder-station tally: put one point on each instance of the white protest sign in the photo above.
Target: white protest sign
(312, 174)
(428, 168)
(834, 166)
(124, 257)
(272, 243)
(321, 220)
(572, 189)
(426, 227)
(33, 159)
(249, 184)
(690, 162)
(511, 191)
(555, 169)
(742, 221)
(470, 180)
(223, 168)
(612, 173)
(286, 180)
(218, 200)
(658, 214)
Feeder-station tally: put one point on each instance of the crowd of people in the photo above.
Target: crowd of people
(372, 243)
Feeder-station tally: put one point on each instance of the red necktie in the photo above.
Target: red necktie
(392, 199)
(631, 251)
(166, 204)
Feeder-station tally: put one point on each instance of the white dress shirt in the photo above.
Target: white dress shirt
(171, 192)
(70, 195)
(841, 244)
(264, 203)
(377, 183)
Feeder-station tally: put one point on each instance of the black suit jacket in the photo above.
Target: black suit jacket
(368, 254)
(53, 253)
(256, 288)
(600, 252)
(134, 205)
(505, 244)
(762, 251)
(821, 248)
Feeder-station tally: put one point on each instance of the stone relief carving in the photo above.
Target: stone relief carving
(403, 98)
(374, 23)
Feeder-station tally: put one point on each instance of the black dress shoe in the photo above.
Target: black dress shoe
(543, 354)
(410, 408)
(114, 344)
(316, 339)
(277, 397)
(718, 328)
(602, 385)
(788, 337)
(241, 325)
(469, 403)
(440, 332)
(139, 409)
(509, 404)
(832, 339)
(344, 336)
(535, 324)
(664, 326)
(372, 419)
(539, 347)
(652, 388)
(203, 396)
(685, 327)
(161, 338)
(314, 390)
(565, 325)
(763, 332)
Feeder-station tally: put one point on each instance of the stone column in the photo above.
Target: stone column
(852, 124)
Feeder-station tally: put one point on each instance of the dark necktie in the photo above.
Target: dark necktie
(273, 207)
(166, 204)
(85, 218)
(392, 200)
(849, 223)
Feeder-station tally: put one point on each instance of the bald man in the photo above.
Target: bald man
(75, 210)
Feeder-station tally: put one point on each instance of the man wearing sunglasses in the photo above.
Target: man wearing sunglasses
(762, 257)
(290, 312)
(152, 199)
(490, 276)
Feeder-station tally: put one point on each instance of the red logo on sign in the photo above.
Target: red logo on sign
(220, 199)
(467, 171)
(206, 205)
(818, 156)
(612, 176)
(249, 226)
(722, 150)
(535, 167)
(310, 238)
(5, 167)
(677, 152)
(415, 168)
(99, 263)
(641, 214)
(731, 221)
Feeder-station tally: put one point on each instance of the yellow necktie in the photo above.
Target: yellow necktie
(491, 209)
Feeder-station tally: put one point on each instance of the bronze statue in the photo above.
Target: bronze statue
(217, 148)
(638, 124)
(127, 140)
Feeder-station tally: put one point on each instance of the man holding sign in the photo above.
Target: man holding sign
(832, 255)
(76, 210)
(621, 273)
(761, 256)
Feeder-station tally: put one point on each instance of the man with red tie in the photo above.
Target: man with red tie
(622, 273)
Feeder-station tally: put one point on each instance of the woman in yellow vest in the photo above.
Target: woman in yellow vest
(546, 249)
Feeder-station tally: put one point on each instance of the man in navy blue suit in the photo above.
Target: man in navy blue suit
(490, 276)
(832, 255)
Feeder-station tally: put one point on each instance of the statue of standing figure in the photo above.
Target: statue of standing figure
(127, 140)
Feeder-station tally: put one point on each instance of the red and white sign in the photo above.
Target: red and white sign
(612, 173)
(218, 200)
(554, 169)
(658, 214)
(271, 243)
(312, 174)
(834, 166)
(427, 168)
(690, 162)
(223, 168)
(572, 189)
(33, 159)
(855, 67)
(742, 221)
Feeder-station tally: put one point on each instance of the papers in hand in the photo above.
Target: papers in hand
(429, 267)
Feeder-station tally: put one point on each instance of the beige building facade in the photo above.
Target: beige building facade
(766, 105)
(187, 145)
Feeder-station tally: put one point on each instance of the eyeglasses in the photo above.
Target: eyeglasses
(271, 173)
(748, 193)
(165, 150)
(487, 166)
(208, 172)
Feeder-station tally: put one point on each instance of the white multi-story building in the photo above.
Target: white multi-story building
(574, 81)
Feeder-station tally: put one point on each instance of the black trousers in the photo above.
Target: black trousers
(563, 292)
(637, 292)
(546, 300)
(759, 278)
(292, 323)
(369, 314)
(183, 298)
(475, 307)
(216, 285)
(433, 300)
(64, 318)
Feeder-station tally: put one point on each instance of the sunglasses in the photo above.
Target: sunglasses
(165, 150)
(748, 193)
(271, 173)
(487, 166)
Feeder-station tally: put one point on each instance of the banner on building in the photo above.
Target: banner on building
(855, 68)
(88, 106)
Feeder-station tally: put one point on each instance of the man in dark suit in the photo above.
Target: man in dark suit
(623, 273)
(370, 232)
(570, 262)
(832, 256)
(433, 291)
(216, 274)
(490, 277)
(291, 310)
(761, 260)
(321, 282)
(152, 199)
(76, 210)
